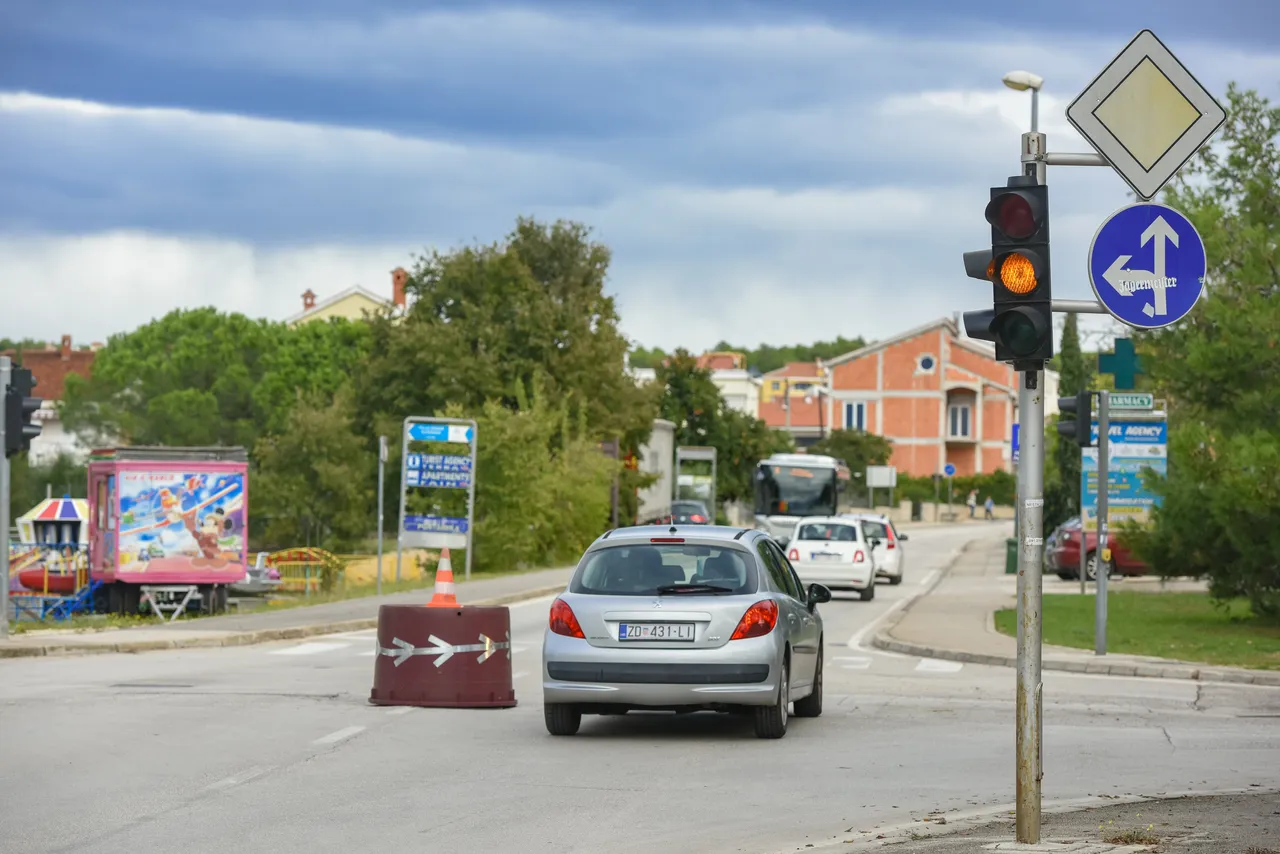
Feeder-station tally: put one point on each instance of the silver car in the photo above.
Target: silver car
(684, 618)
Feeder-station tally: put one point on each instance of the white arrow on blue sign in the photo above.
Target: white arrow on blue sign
(1147, 265)
(949, 470)
(440, 432)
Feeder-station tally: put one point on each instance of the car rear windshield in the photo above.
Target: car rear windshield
(833, 532)
(646, 569)
(688, 507)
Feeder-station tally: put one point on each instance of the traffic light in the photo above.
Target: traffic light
(19, 409)
(1081, 405)
(1020, 321)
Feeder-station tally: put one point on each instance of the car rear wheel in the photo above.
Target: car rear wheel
(895, 579)
(811, 706)
(771, 721)
(1091, 567)
(562, 718)
(869, 593)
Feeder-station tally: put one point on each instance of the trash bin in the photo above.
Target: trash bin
(917, 511)
(1011, 556)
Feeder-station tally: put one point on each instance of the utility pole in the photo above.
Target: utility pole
(1102, 554)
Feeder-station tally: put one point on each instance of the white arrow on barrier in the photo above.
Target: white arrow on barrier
(402, 650)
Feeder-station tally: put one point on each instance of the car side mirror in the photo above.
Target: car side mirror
(902, 538)
(875, 542)
(783, 542)
(817, 595)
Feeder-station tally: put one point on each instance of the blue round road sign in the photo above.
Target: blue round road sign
(950, 470)
(1147, 265)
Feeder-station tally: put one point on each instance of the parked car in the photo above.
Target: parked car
(1066, 555)
(704, 618)
(686, 512)
(834, 551)
(889, 554)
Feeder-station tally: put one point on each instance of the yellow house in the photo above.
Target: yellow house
(351, 303)
(799, 377)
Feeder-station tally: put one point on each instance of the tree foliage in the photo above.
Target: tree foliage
(858, 449)
(1062, 483)
(1220, 370)
(763, 358)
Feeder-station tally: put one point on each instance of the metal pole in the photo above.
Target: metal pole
(382, 467)
(1035, 110)
(1084, 486)
(1077, 306)
(1028, 737)
(404, 456)
(1100, 549)
(5, 371)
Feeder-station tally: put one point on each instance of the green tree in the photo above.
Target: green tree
(857, 448)
(1220, 370)
(185, 379)
(1062, 487)
(764, 358)
(485, 320)
(310, 362)
(313, 480)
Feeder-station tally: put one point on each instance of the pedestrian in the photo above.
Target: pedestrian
(972, 501)
(990, 506)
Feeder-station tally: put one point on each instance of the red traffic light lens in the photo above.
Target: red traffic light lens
(1015, 218)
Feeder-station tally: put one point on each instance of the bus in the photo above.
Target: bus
(789, 487)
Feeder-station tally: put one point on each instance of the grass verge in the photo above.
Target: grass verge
(1184, 626)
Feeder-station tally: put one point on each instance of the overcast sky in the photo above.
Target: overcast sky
(763, 171)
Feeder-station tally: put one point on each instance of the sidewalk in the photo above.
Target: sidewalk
(954, 620)
(266, 625)
(1235, 823)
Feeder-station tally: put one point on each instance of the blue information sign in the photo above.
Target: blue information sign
(1147, 265)
(438, 462)
(435, 524)
(461, 433)
(441, 479)
(949, 470)
(1135, 446)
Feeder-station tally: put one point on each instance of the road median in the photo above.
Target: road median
(185, 636)
(954, 621)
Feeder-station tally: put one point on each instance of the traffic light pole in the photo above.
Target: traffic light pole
(1029, 696)
(6, 369)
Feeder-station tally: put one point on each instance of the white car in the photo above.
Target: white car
(887, 542)
(833, 551)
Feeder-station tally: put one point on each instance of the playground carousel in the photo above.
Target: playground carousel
(49, 566)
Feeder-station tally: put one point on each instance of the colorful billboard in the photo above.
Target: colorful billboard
(185, 523)
(1135, 446)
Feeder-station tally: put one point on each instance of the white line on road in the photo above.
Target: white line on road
(542, 600)
(518, 675)
(309, 648)
(937, 665)
(401, 710)
(335, 737)
(242, 777)
(854, 662)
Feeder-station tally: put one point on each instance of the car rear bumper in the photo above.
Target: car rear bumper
(835, 575)
(742, 672)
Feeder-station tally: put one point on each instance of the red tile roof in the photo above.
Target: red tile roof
(796, 370)
(51, 366)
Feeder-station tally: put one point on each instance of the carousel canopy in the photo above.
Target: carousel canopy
(63, 509)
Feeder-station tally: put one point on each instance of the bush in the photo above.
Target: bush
(1000, 485)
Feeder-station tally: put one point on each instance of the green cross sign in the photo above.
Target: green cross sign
(1124, 364)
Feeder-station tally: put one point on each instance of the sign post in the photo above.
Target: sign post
(437, 471)
(382, 469)
(1101, 553)
(697, 453)
(5, 373)
(950, 471)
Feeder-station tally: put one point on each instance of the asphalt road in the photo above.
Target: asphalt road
(275, 748)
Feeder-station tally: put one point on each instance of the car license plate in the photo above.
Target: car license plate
(823, 556)
(655, 631)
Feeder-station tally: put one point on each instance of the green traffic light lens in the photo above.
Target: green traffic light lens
(1020, 334)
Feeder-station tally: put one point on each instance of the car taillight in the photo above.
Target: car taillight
(794, 554)
(858, 556)
(563, 620)
(697, 517)
(758, 621)
(889, 533)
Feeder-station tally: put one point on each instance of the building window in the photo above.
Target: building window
(925, 364)
(958, 419)
(855, 416)
(775, 385)
(801, 386)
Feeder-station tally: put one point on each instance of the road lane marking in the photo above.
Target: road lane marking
(854, 662)
(243, 777)
(518, 675)
(340, 735)
(401, 710)
(309, 648)
(541, 600)
(937, 665)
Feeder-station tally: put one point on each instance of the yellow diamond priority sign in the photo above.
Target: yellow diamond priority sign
(1146, 114)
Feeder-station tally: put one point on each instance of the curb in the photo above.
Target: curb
(244, 638)
(1153, 670)
(1003, 814)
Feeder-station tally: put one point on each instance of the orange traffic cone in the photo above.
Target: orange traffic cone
(444, 597)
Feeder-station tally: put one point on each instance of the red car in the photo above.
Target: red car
(1064, 559)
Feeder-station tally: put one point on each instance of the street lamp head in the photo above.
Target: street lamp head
(1023, 80)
